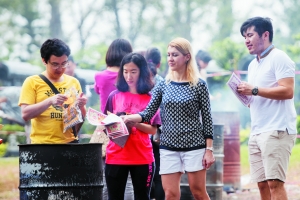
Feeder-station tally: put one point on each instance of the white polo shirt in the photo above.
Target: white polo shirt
(269, 114)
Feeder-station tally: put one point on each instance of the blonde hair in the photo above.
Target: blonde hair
(192, 72)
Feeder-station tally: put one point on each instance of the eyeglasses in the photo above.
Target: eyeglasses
(56, 65)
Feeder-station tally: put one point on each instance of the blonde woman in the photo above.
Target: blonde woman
(186, 140)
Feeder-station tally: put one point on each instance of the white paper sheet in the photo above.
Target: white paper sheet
(233, 83)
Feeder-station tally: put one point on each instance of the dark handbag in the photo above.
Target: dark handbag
(53, 88)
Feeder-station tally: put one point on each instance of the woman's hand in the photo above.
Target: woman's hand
(130, 125)
(208, 159)
(134, 118)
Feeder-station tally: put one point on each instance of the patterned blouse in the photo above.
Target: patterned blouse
(187, 120)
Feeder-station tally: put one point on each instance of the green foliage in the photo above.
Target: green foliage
(293, 50)
(21, 139)
(298, 124)
(294, 159)
(87, 128)
(20, 25)
(244, 159)
(244, 136)
(4, 137)
(8, 4)
(291, 18)
(3, 148)
(25, 24)
(228, 53)
(225, 24)
(92, 57)
(13, 128)
(298, 128)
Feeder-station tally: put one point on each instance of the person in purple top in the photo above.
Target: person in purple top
(105, 80)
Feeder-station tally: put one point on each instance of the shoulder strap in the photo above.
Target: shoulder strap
(53, 88)
(49, 83)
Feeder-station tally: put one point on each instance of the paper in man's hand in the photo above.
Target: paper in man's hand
(233, 83)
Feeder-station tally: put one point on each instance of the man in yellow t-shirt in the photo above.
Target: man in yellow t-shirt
(41, 105)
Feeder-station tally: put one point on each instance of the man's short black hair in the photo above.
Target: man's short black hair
(260, 24)
(54, 47)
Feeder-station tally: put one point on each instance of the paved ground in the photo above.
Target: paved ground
(250, 191)
(9, 183)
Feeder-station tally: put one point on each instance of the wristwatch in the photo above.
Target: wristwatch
(210, 148)
(255, 91)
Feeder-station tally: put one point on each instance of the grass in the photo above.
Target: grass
(245, 169)
(9, 181)
(294, 161)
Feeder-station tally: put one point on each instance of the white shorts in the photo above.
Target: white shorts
(180, 161)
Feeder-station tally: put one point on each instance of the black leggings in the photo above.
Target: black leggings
(157, 191)
(141, 175)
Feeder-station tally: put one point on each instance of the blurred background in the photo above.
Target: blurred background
(89, 27)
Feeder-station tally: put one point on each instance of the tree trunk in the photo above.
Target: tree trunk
(55, 22)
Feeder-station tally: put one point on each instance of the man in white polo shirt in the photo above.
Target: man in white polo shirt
(273, 116)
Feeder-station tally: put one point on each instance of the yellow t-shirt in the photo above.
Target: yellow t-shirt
(47, 128)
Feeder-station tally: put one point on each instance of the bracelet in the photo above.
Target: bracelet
(210, 148)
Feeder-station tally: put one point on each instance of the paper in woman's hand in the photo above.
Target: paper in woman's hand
(95, 117)
(115, 127)
(233, 83)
